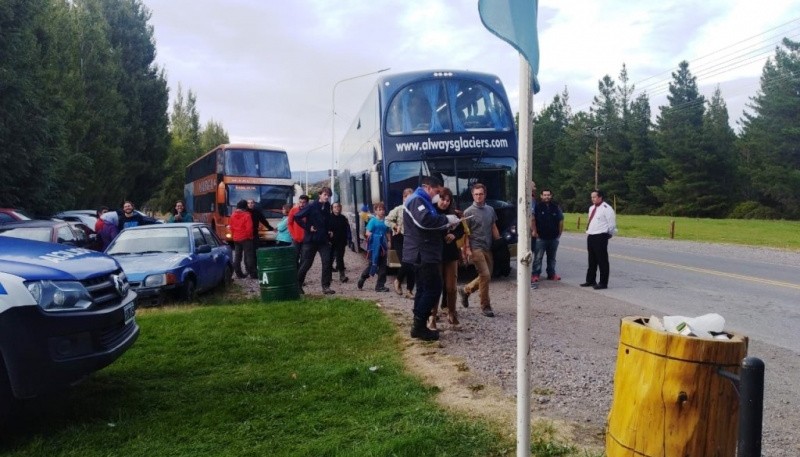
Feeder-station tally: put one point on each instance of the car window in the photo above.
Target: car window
(210, 238)
(80, 234)
(29, 233)
(198, 237)
(159, 239)
(65, 235)
(5, 218)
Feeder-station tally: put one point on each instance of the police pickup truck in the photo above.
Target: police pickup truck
(65, 312)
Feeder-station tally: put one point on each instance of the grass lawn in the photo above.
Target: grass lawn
(306, 378)
(777, 234)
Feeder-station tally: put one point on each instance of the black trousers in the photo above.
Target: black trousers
(309, 250)
(429, 289)
(337, 254)
(597, 245)
(244, 249)
(381, 272)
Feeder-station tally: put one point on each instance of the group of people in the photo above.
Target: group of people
(425, 232)
(547, 224)
(111, 222)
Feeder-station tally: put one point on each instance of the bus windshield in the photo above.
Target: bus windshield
(270, 197)
(439, 106)
(458, 174)
(257, 163)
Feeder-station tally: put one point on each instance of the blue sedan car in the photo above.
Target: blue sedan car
(179, 260)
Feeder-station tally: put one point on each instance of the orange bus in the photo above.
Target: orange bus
(228, 173)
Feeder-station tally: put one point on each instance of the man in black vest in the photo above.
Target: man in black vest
(422, 247)
(548, 224)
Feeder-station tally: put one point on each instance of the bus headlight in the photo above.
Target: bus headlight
(60, 295)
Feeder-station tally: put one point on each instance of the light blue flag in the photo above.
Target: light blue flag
(514, 21)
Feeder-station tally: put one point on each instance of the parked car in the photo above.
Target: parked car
(92, 239)
(179, 260)
(65, 312)
(48, 231)
(11, 215)
(85, 216)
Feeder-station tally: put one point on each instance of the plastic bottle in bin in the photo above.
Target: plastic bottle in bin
(704, 326)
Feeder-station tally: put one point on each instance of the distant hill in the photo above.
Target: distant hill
(313, 176)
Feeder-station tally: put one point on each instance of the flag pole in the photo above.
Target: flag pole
(524, 258)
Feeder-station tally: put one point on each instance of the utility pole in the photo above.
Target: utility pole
(596, 132)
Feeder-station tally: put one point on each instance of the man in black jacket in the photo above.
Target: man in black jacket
(422, 247)
(315, 218)
(258, 218)
(342, 237)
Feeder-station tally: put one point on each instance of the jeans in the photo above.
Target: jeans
(543, 247)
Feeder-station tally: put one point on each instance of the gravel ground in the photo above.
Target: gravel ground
(574, 335)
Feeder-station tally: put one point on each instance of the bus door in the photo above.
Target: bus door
(360, 183)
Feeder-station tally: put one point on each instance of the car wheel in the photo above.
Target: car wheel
(188, 290)
(227, 277)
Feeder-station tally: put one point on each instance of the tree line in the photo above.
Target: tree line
(84, 117)
(85, 121)
(689, 162)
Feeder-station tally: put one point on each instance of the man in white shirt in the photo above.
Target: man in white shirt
(602, 225)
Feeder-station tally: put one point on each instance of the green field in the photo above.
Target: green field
(776, 234)
(306, 378)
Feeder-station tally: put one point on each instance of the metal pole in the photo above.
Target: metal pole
(596, 158)
(525, 149)
(333, 119)
(751, 407)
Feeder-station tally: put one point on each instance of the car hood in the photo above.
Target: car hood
(136, 265)
(35, 260)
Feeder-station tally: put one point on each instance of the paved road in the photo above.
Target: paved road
(757, 291)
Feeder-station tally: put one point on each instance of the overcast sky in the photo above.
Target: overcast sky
(265, 69)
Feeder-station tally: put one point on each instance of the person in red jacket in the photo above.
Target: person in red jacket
(242, 232)
(295, 230)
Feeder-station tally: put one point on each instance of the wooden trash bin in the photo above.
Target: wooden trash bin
(669, 400)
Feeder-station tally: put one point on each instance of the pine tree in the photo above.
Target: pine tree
(184, 147)
(30, 128)
(549, 130)
(144, 90)
(770, 144)
(644, 171)
(688, 169)
(213, 135)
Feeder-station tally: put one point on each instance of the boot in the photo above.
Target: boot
(342, 277)
(420, 331)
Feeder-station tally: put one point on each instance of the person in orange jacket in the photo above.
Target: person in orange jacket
(295, 230)
(242, 232)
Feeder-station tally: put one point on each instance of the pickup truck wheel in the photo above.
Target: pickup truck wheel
(7, 401)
